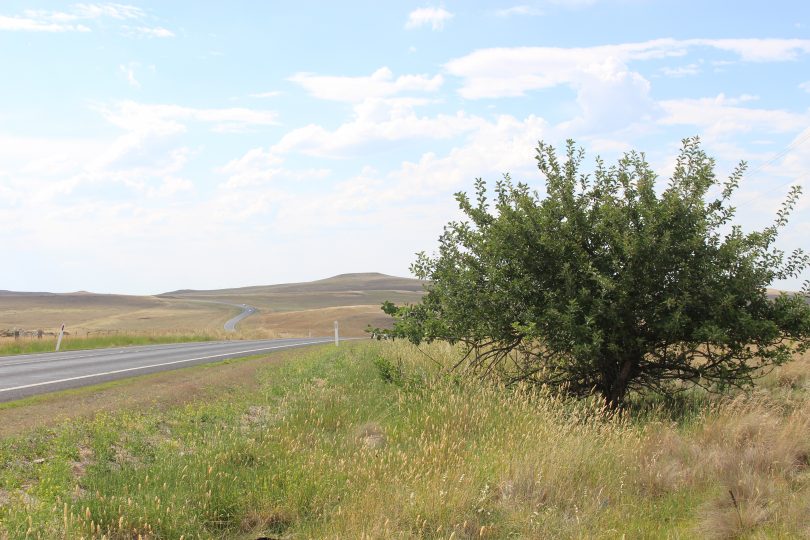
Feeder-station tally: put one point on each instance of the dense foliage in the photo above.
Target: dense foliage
(606, 284)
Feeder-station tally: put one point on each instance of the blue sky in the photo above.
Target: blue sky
(151, 146)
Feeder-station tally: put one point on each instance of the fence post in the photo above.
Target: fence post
(337, 339)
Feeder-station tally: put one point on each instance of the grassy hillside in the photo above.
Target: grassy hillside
(343, 290)
(353, 299)
(375, 441)
(369, 281)
(98, 313)
(294, 309)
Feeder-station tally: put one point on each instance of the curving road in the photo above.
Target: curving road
(247, 311)
(27, 375)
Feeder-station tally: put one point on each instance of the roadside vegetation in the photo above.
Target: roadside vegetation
(382, 440)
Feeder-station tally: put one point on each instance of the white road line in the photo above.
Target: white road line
(52, 356)
(155, 365)
(40, 358)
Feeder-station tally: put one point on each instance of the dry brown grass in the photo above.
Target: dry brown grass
(751, 451)
(289, 310)
(353, 321)
(88, 313)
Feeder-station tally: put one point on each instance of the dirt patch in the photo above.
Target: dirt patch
(371, 435)
(256, 415)
(160, 390)
(80, 467)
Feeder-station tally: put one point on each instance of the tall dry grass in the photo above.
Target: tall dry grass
(376, 440)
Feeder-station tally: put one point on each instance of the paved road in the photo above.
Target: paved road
(27, 375)
(247, 311)
(230, 326)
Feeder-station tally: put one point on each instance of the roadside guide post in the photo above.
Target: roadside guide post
(59, 339)
(336, 334)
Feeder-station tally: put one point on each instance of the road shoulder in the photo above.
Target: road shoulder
(159, 390)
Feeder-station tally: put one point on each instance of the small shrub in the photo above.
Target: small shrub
(389, 371)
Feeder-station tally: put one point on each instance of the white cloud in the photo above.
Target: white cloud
(522, 9)
(759, 50)
(40, 20)
(723, 123)
(171, 185)
(574, 3)
(681, 71)
(504, 72)
(168, 119)
(376, 120)
(610, 98)
(112, 10)
(25, 24)
(152, 32)
(144, 158)
(128, 71)
(87, 12)
(264, 95)
(379, 84)
(805, 86)
(796, 161)
(722, 116)
(435, 17)
(423, 186)
(256, 167)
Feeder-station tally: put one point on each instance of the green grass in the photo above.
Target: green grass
(372, 440)
(89, 391)
(29, 346)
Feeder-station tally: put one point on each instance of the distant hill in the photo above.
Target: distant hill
(368, 281)
(297, 308)
(15, 293)
(286, 310)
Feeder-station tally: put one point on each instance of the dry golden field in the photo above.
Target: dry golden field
(90, 313)
(285, 310)
(353, 321)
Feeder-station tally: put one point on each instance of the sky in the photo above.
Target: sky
(152, 146)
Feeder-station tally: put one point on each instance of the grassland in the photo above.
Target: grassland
(296, 309)
(287, 310)
(376, 440)
(353, 321)
(87, 314)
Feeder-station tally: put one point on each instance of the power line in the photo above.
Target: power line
(781, 154)
(789, 148)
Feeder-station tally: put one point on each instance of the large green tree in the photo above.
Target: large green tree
(609, 284)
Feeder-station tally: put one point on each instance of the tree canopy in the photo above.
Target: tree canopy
(606, 284)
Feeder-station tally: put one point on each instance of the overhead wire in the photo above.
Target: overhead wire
(779, 155)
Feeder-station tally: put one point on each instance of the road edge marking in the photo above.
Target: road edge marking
(115, 372)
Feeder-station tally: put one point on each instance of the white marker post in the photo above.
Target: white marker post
(59, 339)
(337, 339)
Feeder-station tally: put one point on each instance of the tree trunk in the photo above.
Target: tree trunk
(618, 386)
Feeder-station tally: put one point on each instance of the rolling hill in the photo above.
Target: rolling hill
(285, 310)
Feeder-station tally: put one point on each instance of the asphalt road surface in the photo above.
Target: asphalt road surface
(247, 311)
(30, 374)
